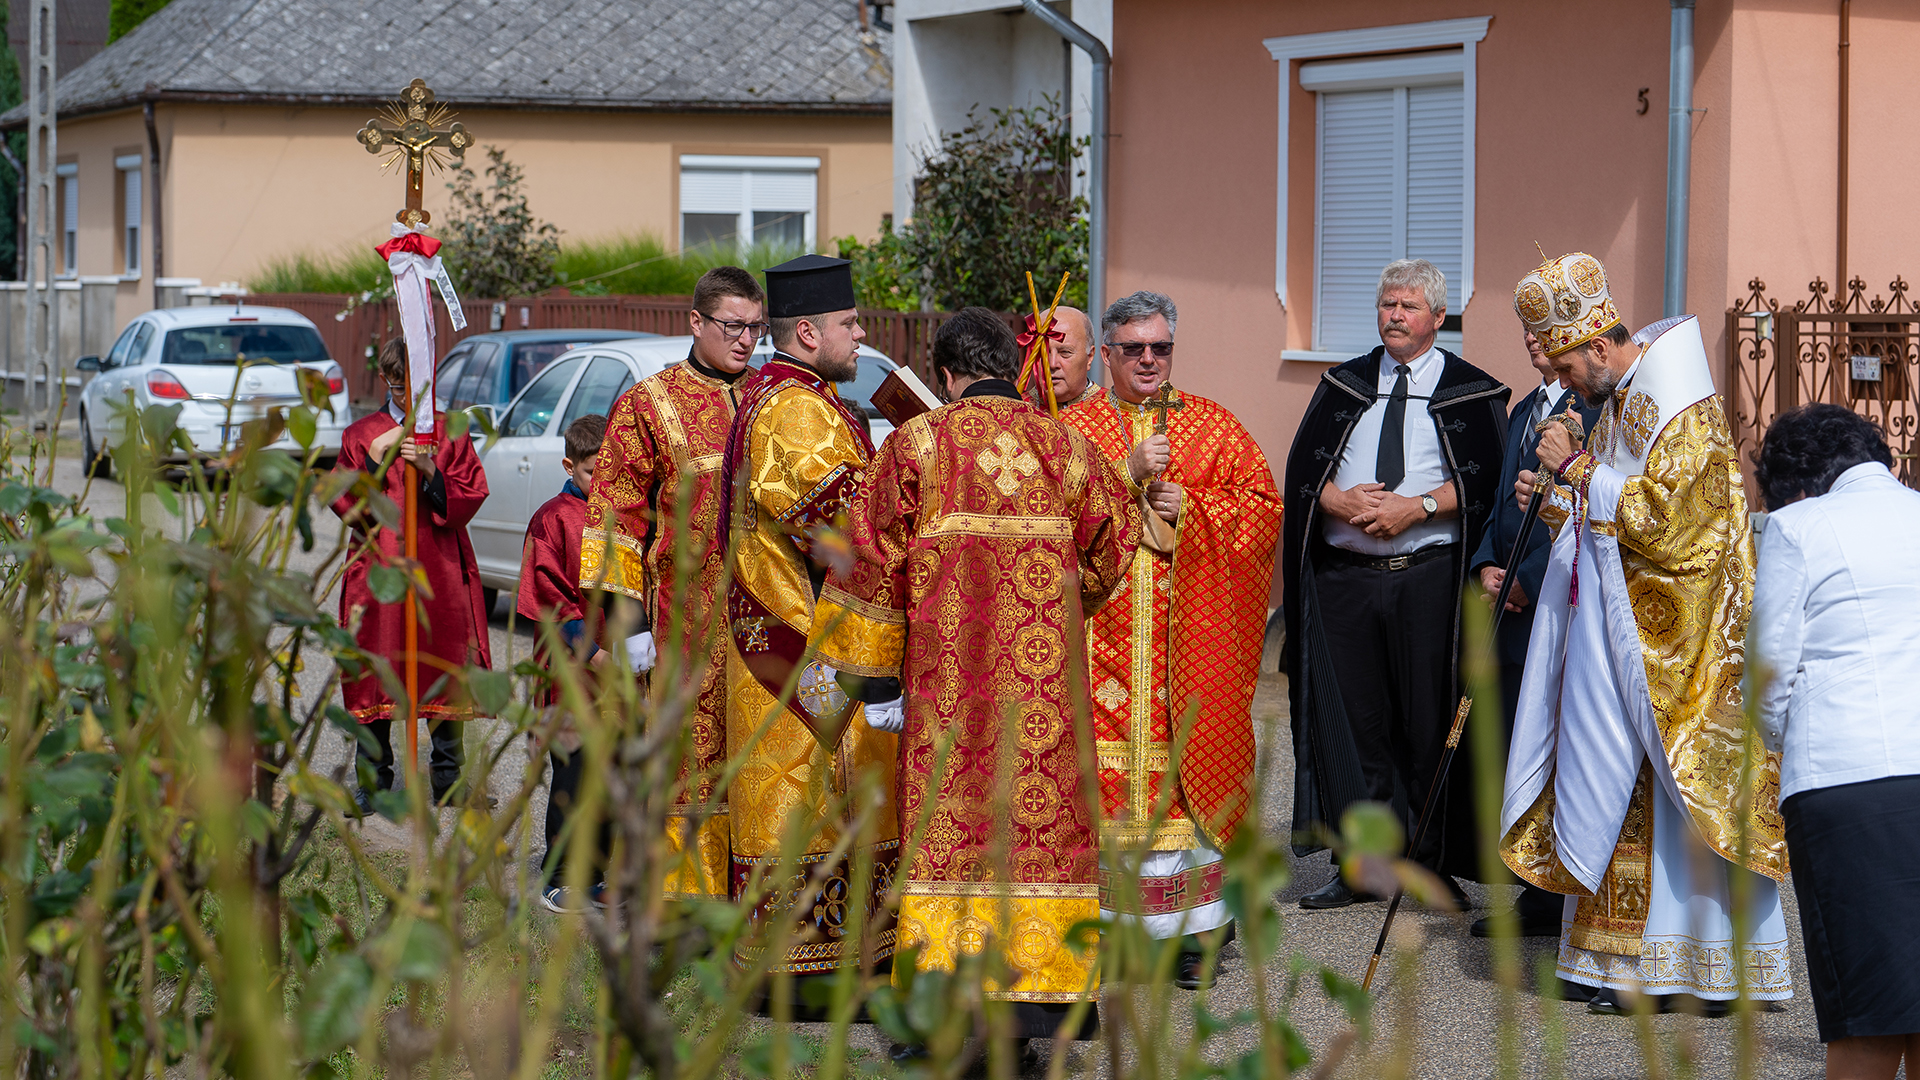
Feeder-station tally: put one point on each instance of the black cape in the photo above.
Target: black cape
(1469, 412)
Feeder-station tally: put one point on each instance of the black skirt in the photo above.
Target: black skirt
(1855, 851)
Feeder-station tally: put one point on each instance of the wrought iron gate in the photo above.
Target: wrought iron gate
(1856, 352)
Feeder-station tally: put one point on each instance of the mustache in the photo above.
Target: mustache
(1396, 324)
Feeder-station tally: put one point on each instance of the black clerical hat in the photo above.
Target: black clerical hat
(809, 285)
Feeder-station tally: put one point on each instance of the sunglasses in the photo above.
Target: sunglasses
(1133, 350)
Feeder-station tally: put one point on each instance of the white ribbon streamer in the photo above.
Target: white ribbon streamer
(413, 293)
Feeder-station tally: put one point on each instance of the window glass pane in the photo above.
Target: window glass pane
(709, 230)
(780, 228)
(138, 354)
(479, 384)
(122, 347)
(606, 379)
(226, 344)
(534, 411)
(529, 360)
(448, 374)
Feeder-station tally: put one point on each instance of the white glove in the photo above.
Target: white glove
(888, 716)
(640, 651)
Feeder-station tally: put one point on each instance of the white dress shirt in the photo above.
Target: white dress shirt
(1426, 466)
(1836, 622)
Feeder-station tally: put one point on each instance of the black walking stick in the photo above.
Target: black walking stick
(1466, 706)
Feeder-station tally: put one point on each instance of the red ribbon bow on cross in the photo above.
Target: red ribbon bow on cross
(417, 242)
(1032, 331)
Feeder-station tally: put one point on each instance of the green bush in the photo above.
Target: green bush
(883, 275)
(494, 245)
(995, 200)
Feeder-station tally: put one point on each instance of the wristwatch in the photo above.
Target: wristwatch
(1431, 504)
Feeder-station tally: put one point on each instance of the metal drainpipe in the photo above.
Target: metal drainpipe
(1097, 168)
(1679, 154)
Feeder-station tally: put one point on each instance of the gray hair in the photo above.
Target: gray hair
(1141, 305)
(1414, 273)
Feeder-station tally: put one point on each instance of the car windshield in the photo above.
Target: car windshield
(227, 344)
(531, 358)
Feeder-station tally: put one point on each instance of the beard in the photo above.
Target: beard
(838, 368)
(1601, 384)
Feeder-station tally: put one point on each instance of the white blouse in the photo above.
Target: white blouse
(1836, 626)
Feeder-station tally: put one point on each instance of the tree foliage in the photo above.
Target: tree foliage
(495, 246)
(124, 15)
(884, 276)
(995, 200)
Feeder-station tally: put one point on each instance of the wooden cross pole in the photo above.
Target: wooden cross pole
(412, 132)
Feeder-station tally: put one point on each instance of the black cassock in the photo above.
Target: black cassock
(1468, 411)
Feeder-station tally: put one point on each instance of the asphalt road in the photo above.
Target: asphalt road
(1453, 1013)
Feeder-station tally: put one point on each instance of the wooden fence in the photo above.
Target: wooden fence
(353, 330)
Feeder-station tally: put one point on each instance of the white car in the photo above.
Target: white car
(191, 355)
(523, 465)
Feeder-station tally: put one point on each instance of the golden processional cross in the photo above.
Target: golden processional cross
(413, 132)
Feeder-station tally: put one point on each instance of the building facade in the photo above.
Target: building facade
(1269, 156)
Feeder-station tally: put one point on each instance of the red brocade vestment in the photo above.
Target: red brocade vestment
(453, 621)
(665, 440)
(550, 569)
(1183, 632)
(976, 519)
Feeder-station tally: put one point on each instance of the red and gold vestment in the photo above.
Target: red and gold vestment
(793, 459)
(1183, 633)
(664, 443)
(975, 520)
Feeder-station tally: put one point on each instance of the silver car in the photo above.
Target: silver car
(192, 356)
(523, 465)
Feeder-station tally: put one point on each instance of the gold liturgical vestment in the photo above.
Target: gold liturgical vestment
(793, 458)
(1633, 783)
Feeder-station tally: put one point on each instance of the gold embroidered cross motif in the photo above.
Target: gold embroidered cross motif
(1007, 463)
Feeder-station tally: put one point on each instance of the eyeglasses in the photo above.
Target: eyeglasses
(731, 330)
(1133, 350)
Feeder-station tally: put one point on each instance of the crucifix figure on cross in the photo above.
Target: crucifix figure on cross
(413, 133)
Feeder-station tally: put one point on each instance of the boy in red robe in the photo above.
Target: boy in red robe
(550, 589)
(453, 620)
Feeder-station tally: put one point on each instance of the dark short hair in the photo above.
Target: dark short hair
(393, 360)
(783, 327)
(1806, 449)
(978, 343)
(721, 282)
(584, 437)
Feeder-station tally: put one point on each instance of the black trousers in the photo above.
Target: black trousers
(1390, 636)
(448, 754)
(563, 790)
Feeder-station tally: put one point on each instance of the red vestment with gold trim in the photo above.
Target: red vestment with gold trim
(976, 520)
(663, 449)
(1182, 634)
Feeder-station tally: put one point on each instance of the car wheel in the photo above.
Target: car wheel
(96, 463)
(490, 598)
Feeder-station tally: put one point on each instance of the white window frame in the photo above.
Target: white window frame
(754, 163)
(69, 177)
(1406, 37)
(133, 208)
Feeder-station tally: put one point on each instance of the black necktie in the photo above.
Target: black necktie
(1390, 465)
(1531, 438)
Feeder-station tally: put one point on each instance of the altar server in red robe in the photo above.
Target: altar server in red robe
(984, 528)
(550, 589)
(453, 618)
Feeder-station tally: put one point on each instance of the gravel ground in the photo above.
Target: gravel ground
(1453, 1012)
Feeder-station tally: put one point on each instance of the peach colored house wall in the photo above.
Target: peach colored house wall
(246, 184)
(1562, 157)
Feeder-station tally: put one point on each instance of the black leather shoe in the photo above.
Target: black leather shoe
(1573, 991)
(1335, 894)
(903, 1053)
(1607, 1001)
(362, 801)
(1190, 973)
